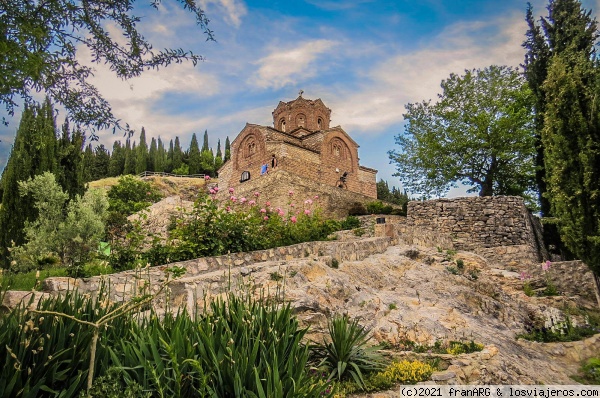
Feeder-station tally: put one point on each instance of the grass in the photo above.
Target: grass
(28, 280)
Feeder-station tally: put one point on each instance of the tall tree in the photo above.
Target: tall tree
(205, 146)
(129, 166)
(70, 166)
(39, 44)
(177, 155)
(194, 158)
(141, 159)
(88, 163)
(117, 160)
(227, 150)
(152, 154)
(571, 140)
(161, 157)
(101, 163)
(479, 133)
(170, 152)
(568, 28)
(218, 157)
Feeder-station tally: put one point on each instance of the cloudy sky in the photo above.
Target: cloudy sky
(365, 59)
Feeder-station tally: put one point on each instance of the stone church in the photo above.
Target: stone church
(304, 147)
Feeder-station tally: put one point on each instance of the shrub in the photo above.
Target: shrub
(378, 208)
(350, 222)
(130, 195)
(559, 331)
(591, 371)
(357, 209)
(347, 354)
(399, 372)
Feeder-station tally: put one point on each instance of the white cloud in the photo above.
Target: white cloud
(282, 67)
(234, 10)
(416, 76)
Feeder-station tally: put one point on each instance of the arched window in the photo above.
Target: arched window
(319, 123)
(282, 125)
(245, 176)
(300, 120)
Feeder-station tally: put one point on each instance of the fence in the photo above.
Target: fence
(162, 174)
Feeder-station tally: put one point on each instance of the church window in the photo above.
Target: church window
(245, 176)
(300, 120)
(319, 123)
(250, 148)
(282, 125)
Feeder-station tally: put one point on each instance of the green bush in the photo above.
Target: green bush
(378, 208)
(357, 209)
(591, 371)
(130, 195)
(347, 354)
(559, 331)
(398, 372)
(350, 222)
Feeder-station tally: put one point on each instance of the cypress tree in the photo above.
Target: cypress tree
(205, 142)
(194, 158)
(141, 160)
(101, 163)
(152, 154)
(161, 157)
(177, 155)
(129, 166)
(169, 162)
(88, 163)
(218, 157)
(568, 28)
(227, 149)
(70, 161)
(117, 160)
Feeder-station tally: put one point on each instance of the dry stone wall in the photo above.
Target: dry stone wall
(499, 228)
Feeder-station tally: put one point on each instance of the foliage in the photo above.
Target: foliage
(558, 331)
(398, 372)
(238, 347)
(394, 196)
(347, 354)
(377, 207)
(112, 385)
(591, 371)
(40, 43)
(131, 195)
(357, 209)
(441, 347)
(28, 281)
(568, 29)
(350, 222)
(479, 133)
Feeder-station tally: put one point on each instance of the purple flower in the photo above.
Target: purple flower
(546, 266)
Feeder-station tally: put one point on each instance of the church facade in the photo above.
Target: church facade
(302, 143)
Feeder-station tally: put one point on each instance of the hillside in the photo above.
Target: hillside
(184, 187)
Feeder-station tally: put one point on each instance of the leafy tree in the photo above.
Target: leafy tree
(479, 133)
(568, 28)
(141, 159)
(40, 42)
(571, 140)
(194, 158)
(131, 194)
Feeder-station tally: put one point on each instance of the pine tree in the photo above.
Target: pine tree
(227, 149)
(568, 28)
(152, 154)
(205, 146)
(194, 158)
(88, 163)
(218, 157)
(70, 161)
(141, 160)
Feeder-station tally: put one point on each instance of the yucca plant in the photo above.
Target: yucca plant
(347, 354)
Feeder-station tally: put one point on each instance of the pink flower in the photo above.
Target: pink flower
(308, 202)
(207, 178)
(293, 219)
(307, 212)
(228, 208)
(265, 218)
(316, 197)
(257, 194)
(524, 275)
(212, 192)
(252, 202)
(243, 200)
(231, 190)
(216, 189)
(281, 213)
(233, 198)
(291, 193)
(292, 205)
(546, 266)
(268, 203)
(263, 210)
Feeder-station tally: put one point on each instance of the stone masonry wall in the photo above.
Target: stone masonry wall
(498, 228)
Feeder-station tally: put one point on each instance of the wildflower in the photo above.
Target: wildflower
(252, 202)
(207, 178)
(243, 200)
(233, 198)
(212, 191)
(231, 190)
(316, 197)
(546, 266)
(268, 203)
(524, 275)
(307, 212)
(291, 193)
(263, 210)
(228, 209)
(293, 219)
(265, 218)
(292, 205)
(257, 194)
(308, 202)
(281, 213)
(216, 189)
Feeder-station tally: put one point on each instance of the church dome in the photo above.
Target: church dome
(311, 115)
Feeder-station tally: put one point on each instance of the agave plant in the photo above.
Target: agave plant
(348, 354)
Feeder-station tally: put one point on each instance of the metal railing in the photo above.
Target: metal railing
(163, 174)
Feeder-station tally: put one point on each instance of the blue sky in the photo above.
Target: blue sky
(365, 59)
